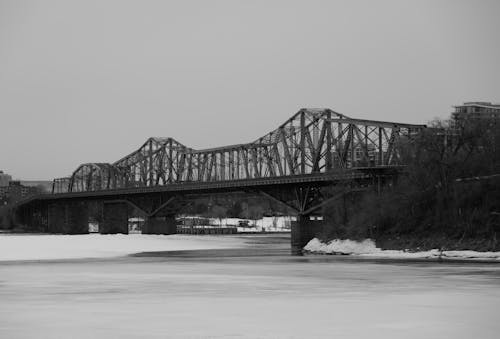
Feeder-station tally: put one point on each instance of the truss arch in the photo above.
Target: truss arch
(312, 141)
(96, 177)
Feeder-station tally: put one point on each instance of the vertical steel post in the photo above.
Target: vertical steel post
(170, 161)
(380, 145)
(150, 156)
(328, 126)
(302, 143)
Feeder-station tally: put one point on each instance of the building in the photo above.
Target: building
(476, 110)
(4, 179)
(15, 192)
(42, 185)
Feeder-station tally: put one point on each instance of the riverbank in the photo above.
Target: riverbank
(368, 248)
(424, 242)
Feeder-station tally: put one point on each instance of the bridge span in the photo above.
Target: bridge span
(315, 157)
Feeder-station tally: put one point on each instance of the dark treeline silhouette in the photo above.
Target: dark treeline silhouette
(449, 197)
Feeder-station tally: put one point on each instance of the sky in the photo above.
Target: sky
(90, 81)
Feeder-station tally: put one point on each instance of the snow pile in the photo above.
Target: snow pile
(44, 247)
(338, 246)
(367, 248)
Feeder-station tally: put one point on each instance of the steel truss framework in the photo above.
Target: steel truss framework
(312, 142)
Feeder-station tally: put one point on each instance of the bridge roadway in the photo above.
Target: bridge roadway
(233, 185)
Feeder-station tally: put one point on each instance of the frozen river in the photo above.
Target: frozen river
(256, 291)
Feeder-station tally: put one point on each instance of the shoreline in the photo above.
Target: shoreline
(382, 259)
(368, 249)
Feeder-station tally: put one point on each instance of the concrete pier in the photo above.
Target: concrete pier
(57, 218)
(160, 225)
(114, 218)
(68, 218)
(304, 230)
(77, 218)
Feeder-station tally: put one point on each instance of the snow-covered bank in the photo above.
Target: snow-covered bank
(44, 247)
(367, 248)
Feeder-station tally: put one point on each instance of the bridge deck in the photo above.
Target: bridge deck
(229, 185)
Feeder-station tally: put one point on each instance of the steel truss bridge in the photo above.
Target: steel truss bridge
(314, 157)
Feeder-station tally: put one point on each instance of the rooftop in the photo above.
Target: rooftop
(479, 103)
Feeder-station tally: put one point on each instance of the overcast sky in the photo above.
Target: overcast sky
(90, 81)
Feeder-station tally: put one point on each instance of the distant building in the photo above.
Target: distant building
(15, 192)
(44, 185)
(4, 179)
(473, 111)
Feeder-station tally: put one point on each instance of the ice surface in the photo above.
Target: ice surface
(367, 248)
(40, 247)
(224, 296)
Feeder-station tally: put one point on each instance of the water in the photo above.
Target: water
(255, 292)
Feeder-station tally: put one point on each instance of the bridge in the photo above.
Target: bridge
(313, 158)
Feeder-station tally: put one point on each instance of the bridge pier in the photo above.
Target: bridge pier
(114, 218)
(304, 230)
(78, 218)
(57, 218)
(68, 218)
(160, 225)
(31, 218)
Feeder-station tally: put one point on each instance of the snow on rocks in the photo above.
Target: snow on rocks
(338, 246)
(367, 248)
(47, 247)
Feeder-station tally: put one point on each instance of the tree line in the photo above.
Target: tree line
(449, 196)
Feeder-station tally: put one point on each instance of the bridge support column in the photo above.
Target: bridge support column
(31, 218)
(304, 230)
(57, 218)
(160, 225)
(77, 216)
(68, 218)
(114, 218)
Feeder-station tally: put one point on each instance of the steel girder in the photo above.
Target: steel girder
(95, 177)
(313, 141)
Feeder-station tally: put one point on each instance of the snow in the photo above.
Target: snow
(248, 297)
(46, 247)
(367, 248)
